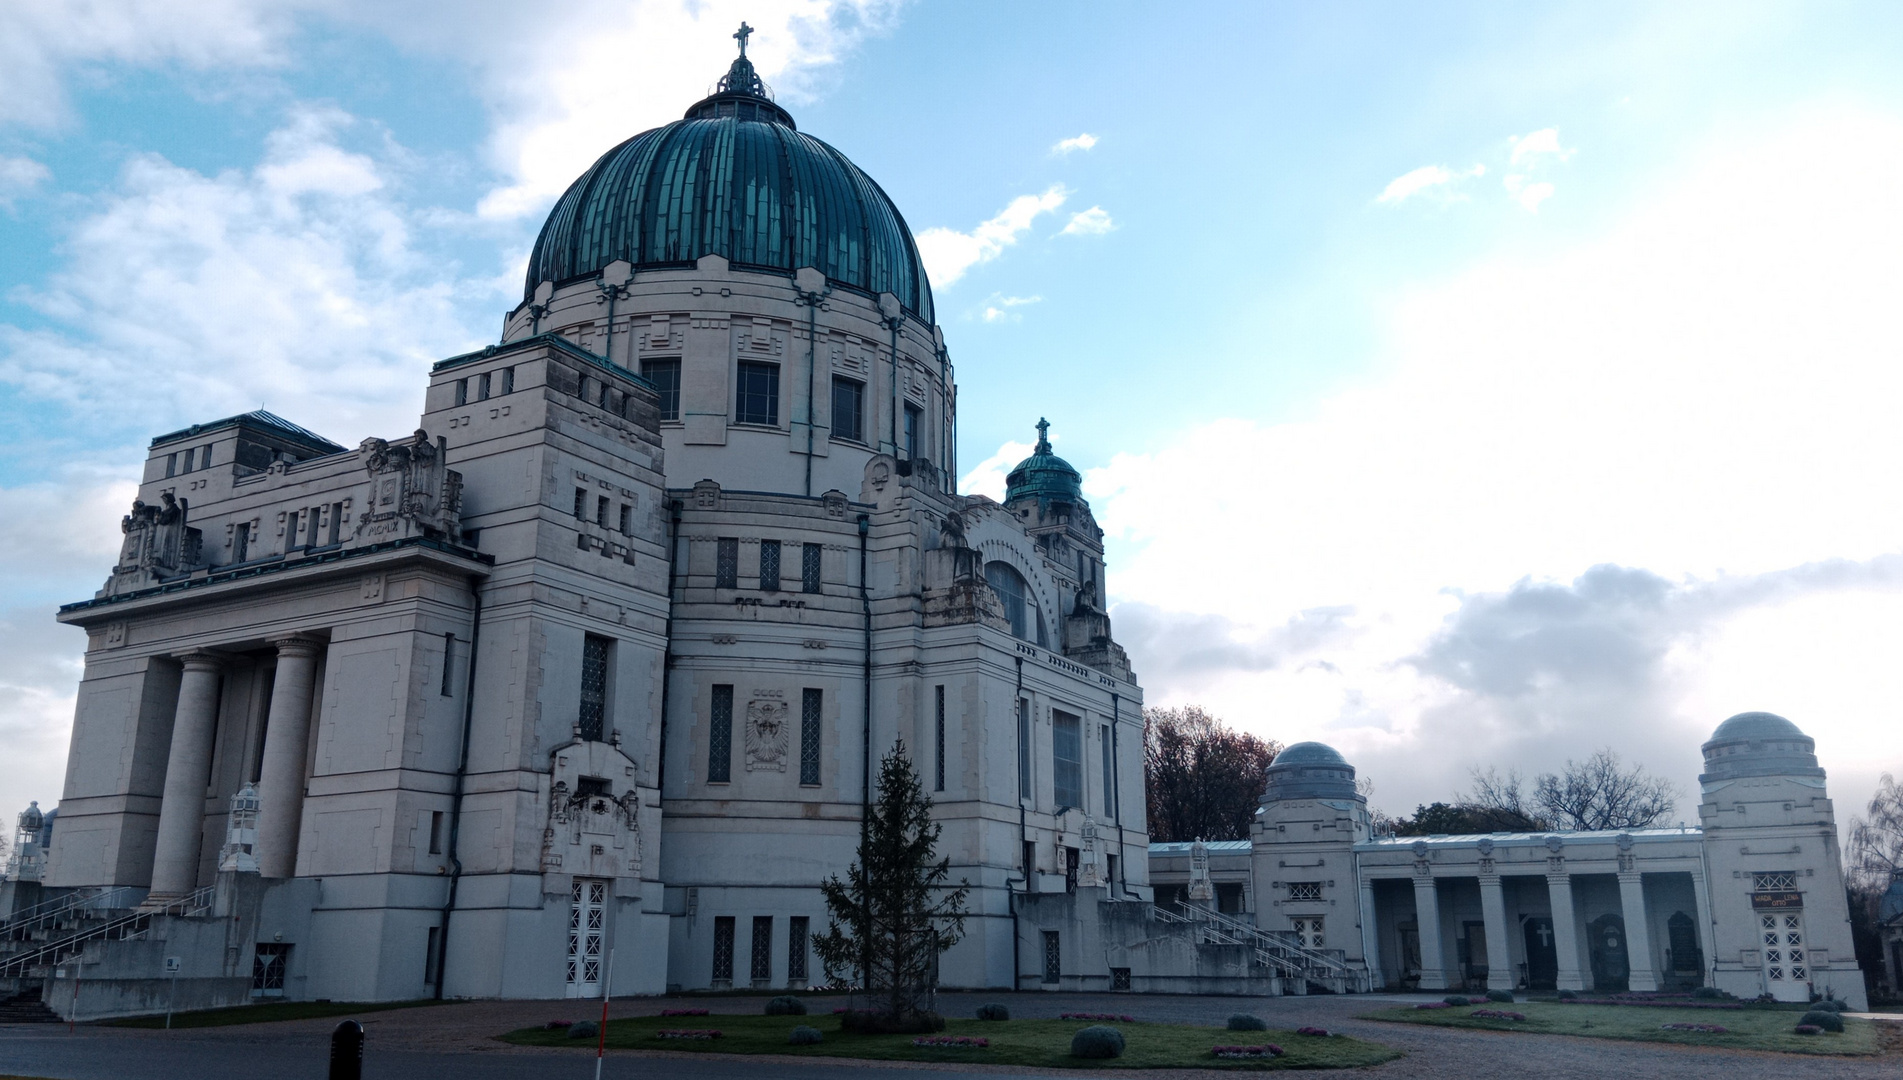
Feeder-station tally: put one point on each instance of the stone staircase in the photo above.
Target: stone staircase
(26, 1007)
(1281, 951)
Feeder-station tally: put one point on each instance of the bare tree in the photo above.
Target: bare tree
(1602, 793)
(1203, 778)
(1876, 842)
(1501, 803)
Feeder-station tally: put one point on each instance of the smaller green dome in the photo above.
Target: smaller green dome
(1044, 475)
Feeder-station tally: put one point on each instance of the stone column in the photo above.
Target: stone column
(1701, 895)
(1371, 937)
(1559, 887)
(187, 771)
(1638, 933)
(1493, 909)
(286, 742)
(1427, 917)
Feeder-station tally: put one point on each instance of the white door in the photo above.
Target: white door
(587, 913)
(1786, 969)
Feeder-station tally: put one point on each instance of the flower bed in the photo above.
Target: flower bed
(1650, 1003)
(687, 1033)
(1097, 1016)
(1243, 1053)
(683, 1012)
(1707, 1029)
(1434, 1005)
(1311, 1031)
(956, 1042)
(1496, 1014)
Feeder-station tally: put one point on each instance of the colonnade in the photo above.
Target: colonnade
(176, 856)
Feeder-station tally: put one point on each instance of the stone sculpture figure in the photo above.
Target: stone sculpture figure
(412, 493)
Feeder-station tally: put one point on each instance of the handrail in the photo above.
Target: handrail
(123, 927)
(1278, 949)
(50, 910)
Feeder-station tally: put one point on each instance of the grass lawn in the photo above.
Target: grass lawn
(265, 1012)
(1750, 1028)
(1042, 1043)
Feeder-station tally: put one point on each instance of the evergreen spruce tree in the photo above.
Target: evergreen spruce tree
(894, 914)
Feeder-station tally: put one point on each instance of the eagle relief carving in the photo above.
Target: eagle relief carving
(766, 735)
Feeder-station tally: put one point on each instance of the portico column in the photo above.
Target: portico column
(1559, 889)
(1427, 917)
(1702, 897)
(1638, 933)
(286, 738)
(187, 771)
(1371, 937)
(1493, 909)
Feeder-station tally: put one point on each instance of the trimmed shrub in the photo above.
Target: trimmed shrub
(1823, 1018)
(865, 1022)
(1830, 1005)
(804, 1036)
(786, 1005)
(583, 1029)
(1568, 995)
(993, 1011)
(1709, 993)
(1455, 999)
(1245, 1022)
(1097, 1041)
(1505, 996)
(1809, 1029)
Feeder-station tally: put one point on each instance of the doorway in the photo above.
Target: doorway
(1542, 954)
(1611, 968)
(587, 915)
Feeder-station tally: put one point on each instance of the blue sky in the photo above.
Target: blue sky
(1522, 370)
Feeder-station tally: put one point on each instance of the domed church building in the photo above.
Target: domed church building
(601, 657)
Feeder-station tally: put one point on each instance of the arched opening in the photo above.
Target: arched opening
(1020, 605)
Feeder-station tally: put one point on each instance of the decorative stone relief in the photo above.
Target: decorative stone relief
(412, 492)
(1089, 862)
(594, 813)
(1200, 887)
(766, 735)
(158, 544)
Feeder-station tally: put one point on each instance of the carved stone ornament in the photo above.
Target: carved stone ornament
(412, 492)
(158, 545)
(766, 735)
(1200, 887)
(594, 813)
(1089, 861)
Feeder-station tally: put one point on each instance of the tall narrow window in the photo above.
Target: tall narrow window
(796, 949)
(1053, 958)
(337, 523)
(912, 417)
(171, 465)
(1024, 749)
(1067, 759)
(810, 555)
(812, 705)
(462, 392)
(185, 460)
(240, 541)
(769, 566)
(627, 520)
(436, 832)
(290, 531)
(760, 969)
(1109, 773)
(482, 387)
(938, 750)
(727, 563)
(666, 377)
(449, 662)
(723, 950)
(720, 737)
(595, 652)
(581, 503)
(508, 380)
(849, 410)
(204, 457)
(757, 394)
(601, 510)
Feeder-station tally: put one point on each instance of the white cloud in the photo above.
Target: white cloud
(1076, 142)
(987, 477)
(1092, 222)
(1705, 405)
(1531, 146)
(1425, 178)
(999, 307)
(19, 176)
(948, 253)
(1527, 195)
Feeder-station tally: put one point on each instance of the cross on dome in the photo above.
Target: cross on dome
(1043, 436)
(742, 35)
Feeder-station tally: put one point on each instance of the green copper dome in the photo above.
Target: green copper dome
(732, 178)
(1044, 475)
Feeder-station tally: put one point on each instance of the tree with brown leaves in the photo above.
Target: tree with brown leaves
(1202, 777)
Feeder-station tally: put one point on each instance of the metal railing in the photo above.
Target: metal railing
(1280, 950)
(120, 929)
(52, 912)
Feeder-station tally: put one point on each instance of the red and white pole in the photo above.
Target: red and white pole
(601, 1036)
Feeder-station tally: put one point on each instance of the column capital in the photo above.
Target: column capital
(298, 645)
(202, 659)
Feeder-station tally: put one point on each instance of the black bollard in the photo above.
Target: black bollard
(346, 1051)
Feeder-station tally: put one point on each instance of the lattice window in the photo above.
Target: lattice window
(812, 704)
(666, 377)
(849, 410)
(723, 949)
(267, 968)
(938, 739)
(1053, 958)
(810, 555)
(720, 737)
(1067, 759)
(587, 919)
(796, 948)
(594, 685)
(757, 396)
(761, 967)
(1309, 931)
(769, 566)
(1304, 890)
(727, 563)
(1120, 980)
(1775, 881)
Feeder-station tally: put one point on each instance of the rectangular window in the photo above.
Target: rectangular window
(595, 652)
(1309, 932)
(482, 387)
(757, 394)
(627, 520)
(1229, 897)
(1071, 866)
(290, 531)
(1024, 748)
(1109, 773)
(849, 410)
(1053, 958)
(796, 949)
(581, 504)
(761, 966)
(1775, 881)
(601, 510)
(430, 944)
(769, 566)
(240, 541)
(1067, 759)
(462, 392)
(666, 377)
(204, 457)
(723, 949)
(810, 555)
(720, 737)
(185, 461)
(508, 380)
(436, 832)
(449, 662)
(1304, 890)
(938, 732)
(171, 465)
(812, 705)
(1028, 857)
(337, 523)
(727, 563)
(912, 417)
(267, 968)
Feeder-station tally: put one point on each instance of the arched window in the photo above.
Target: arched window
(1020, 605)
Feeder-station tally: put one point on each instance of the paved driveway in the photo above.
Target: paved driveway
(457, 1042)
